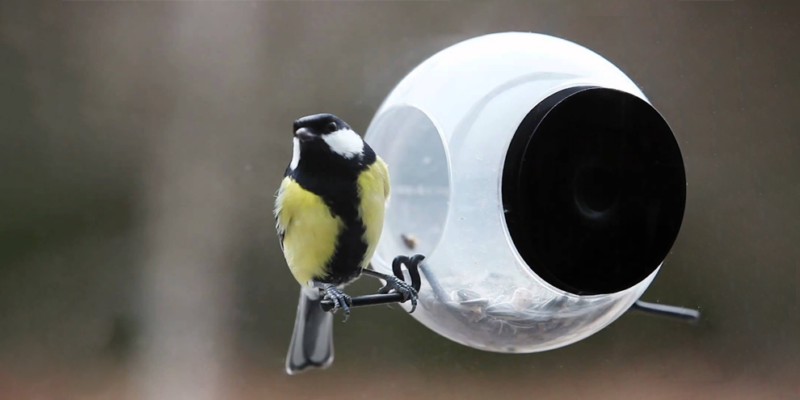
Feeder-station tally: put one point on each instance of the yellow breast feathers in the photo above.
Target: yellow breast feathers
(308, 230)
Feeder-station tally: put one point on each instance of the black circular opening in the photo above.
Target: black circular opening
(594, 189)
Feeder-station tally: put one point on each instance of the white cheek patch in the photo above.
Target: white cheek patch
(295, 154)
(345, 142)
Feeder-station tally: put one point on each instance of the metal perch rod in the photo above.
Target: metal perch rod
(663, 310)
(412, 263)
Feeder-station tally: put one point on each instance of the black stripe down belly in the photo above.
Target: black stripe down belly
(340, 193)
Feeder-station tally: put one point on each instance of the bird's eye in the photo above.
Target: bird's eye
(332, 127)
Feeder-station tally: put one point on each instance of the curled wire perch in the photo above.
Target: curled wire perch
(412, 263)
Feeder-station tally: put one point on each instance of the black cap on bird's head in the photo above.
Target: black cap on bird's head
(325, 138)
(314, 126)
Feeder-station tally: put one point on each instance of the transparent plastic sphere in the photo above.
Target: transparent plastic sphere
(446, 132)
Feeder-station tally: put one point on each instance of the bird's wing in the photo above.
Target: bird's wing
(281, 235)
(383, 171)
(280, 221)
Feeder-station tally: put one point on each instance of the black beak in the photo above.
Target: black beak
(303, 134)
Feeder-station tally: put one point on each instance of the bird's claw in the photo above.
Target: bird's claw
(400, 286)
(339, 298)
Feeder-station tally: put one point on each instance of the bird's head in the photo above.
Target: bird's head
(326, 140)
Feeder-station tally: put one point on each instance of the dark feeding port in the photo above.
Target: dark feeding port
(594, 189)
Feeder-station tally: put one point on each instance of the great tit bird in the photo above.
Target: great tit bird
(329, 215)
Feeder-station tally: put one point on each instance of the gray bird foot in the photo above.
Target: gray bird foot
(395, 284)
(340, 299)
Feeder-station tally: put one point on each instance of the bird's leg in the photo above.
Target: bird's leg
(396, 284)
(339, 298)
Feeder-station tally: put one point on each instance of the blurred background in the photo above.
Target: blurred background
(141, 144)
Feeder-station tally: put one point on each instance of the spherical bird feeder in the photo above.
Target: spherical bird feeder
(542, 186)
